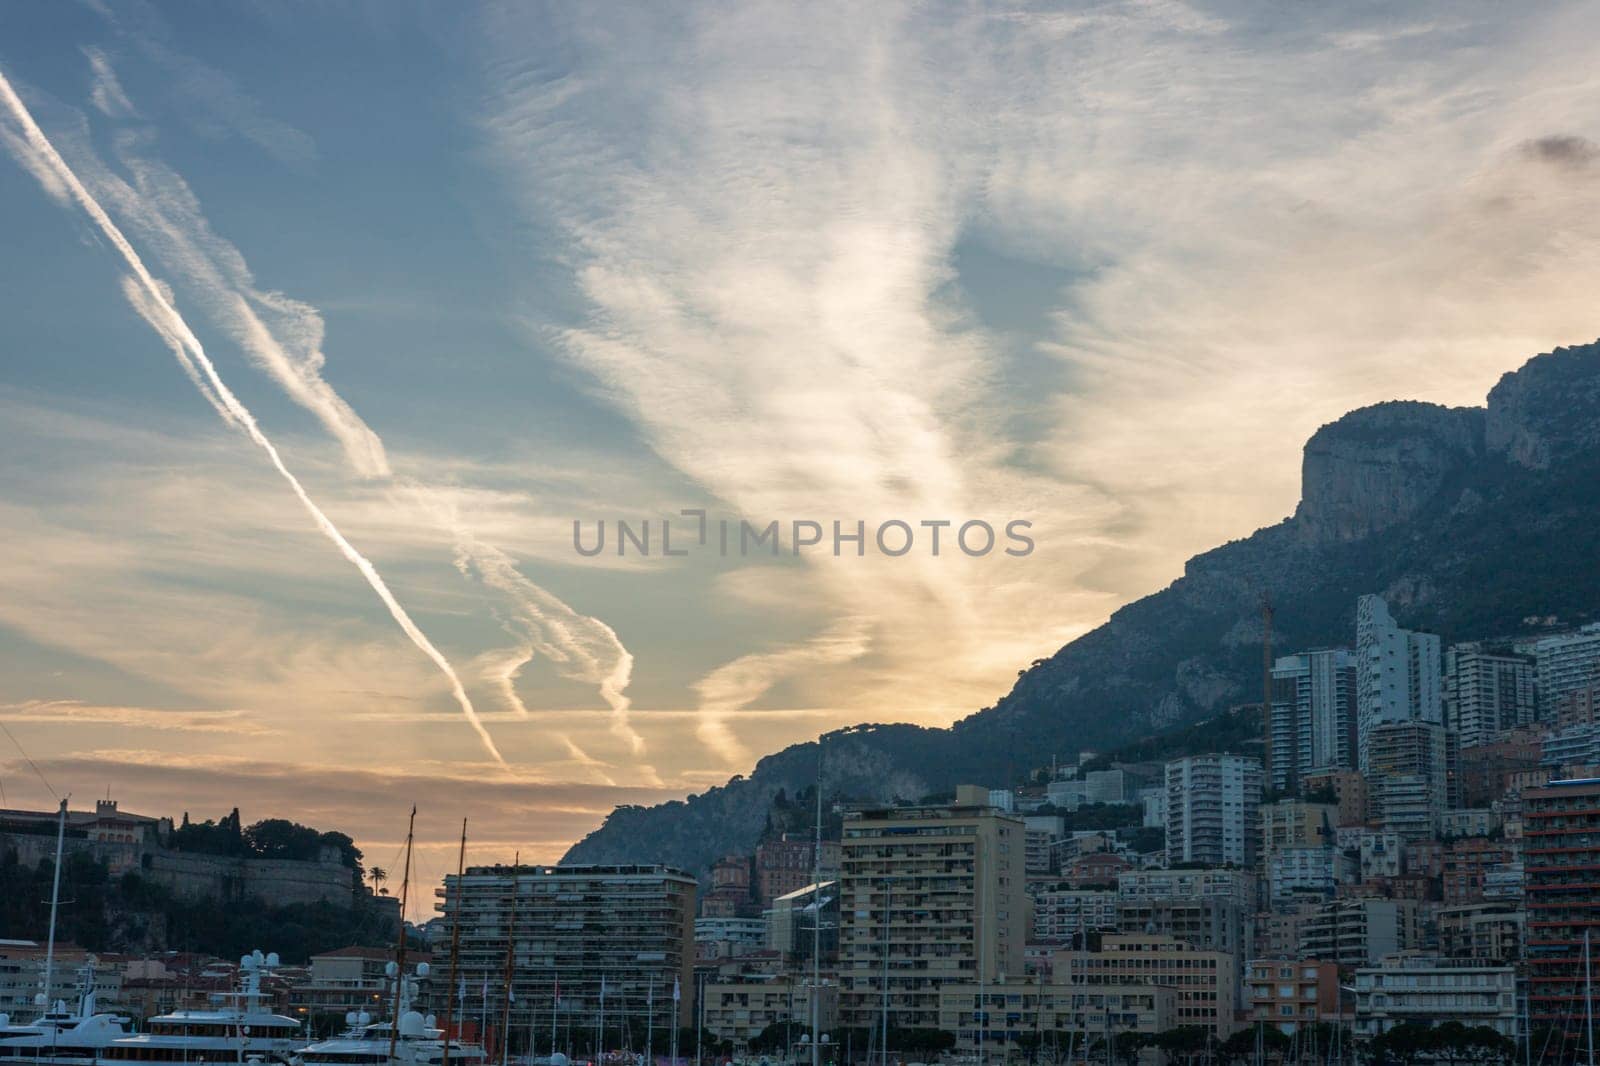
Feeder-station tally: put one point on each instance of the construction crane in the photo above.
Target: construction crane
(1266, 690)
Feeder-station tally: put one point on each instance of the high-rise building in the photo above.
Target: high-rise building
(1397, 674)
(1410, 763)
(929, 895)
(1565, 663)
(630, 927)
(1313, 714)
(1561, 864)
(1486, 693)
(1213, 804)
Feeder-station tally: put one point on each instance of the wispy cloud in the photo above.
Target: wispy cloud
(75, 712)
(735, 685)
(284, 337)
(153, 302)
(218, 106)
(106, 92)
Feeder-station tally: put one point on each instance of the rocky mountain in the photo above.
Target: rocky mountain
(1470, 521)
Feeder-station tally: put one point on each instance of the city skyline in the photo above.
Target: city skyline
(1100, 269)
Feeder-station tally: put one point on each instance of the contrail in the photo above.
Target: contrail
(581, 647)
(155, 305)
(284, 337)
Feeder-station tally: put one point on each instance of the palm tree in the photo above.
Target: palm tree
(378, 876)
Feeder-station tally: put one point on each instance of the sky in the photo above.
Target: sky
(321, 325)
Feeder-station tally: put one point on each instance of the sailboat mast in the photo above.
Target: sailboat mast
(455, 943)
(816, 923)
(55, 904)
(400, 946)
(1588, 996)
(511, 949)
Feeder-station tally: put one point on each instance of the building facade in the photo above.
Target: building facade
(1291, 993)
(1207, 982)
(1313, 714)
(1360, 932)
(1561, 861)
(630, 927)
(1213, 806)
(1565, 664)
(1486, 693)
(929, 895)
(742, 1010)
(1397, 675)
(1431, 991)
(993, 1019)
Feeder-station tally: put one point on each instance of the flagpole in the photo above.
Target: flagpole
(699, 1017)
(650, 1022)
(555, 1003)
(600, 1025)
(677, 997)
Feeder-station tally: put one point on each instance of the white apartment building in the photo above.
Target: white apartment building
(1566, 663)
(1486, 694)
(1397, 674)
(1212, 809)
(1430, 991)
(1313, 714)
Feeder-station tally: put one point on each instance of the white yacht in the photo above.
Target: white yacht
(61, 1036)
(239, 1030)
(368, 1043)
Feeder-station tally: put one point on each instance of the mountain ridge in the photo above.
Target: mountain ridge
(1423, 503)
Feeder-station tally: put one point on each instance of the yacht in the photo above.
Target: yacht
(365, 1042)
(62, 1036)
(239, 1030)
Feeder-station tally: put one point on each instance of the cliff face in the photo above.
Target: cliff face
(1380, 465)
(1468, 520)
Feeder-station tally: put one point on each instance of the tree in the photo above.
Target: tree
(279, 838)
(1186, 1041)
(1405, 1043)
(378, 875)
